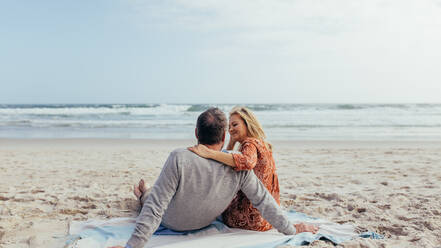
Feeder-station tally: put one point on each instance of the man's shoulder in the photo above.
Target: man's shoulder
(181, 152)
(185, 156)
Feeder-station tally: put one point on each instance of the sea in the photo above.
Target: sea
(393, 122)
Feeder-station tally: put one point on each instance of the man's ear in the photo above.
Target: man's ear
(196, 133)
(223, 137)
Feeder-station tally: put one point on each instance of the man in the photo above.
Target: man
(192, 191)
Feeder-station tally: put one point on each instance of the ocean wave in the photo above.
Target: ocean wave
(55, 106)
(349, 106)
(66, 111)
(172, 120)
(202, 107)
(254, 107)
(48, 123)
(352, 126)
(99, 124)
(314, 107)
(163, 109)
(370, 106)
(174, 116)
(275, 107)
(198, 107)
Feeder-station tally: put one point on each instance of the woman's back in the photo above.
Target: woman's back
(257, 157)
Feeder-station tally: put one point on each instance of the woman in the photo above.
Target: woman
(256, 154)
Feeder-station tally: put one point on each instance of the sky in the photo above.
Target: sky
(230, 51)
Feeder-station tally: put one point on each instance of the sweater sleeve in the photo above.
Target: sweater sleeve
(246, 160)
(261, 199)
(156, 203)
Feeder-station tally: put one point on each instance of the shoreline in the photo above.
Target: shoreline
(61, 143)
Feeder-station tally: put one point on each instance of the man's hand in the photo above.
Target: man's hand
(201, 150)
(302, 227)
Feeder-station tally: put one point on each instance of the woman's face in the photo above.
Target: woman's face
(238, 128)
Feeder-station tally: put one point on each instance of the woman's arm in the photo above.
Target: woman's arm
(206, 152)
(225, 158)
(246, 160)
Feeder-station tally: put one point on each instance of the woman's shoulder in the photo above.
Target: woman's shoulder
(256, 142)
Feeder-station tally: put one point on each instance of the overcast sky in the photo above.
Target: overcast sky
(230, 51)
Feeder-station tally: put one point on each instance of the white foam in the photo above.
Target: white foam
(163, 109)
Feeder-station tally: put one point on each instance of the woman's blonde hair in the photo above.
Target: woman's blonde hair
(254, 128)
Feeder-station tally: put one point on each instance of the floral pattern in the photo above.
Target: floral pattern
(241, 213)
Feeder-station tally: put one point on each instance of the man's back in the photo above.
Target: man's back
(205, 190)
(192, 191)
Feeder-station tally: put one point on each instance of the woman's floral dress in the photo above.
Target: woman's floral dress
(254, 156)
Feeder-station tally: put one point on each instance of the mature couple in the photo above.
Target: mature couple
(198, 184)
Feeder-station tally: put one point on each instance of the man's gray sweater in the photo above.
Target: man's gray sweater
(192, 191)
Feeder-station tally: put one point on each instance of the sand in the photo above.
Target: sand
(393, 188)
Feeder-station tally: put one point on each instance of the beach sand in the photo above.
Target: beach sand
(393, 188)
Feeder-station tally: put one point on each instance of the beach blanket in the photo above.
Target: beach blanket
(105, 233)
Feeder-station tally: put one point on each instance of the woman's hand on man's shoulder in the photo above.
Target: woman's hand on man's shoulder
(201, 150)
